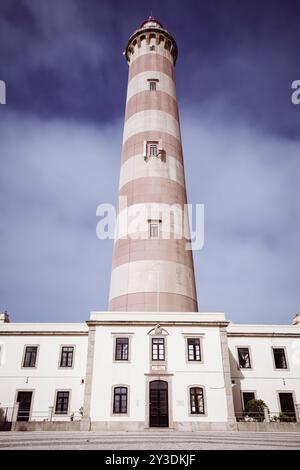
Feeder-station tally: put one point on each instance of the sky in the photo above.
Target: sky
(61, 137)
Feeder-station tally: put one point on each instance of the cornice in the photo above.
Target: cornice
(263, 335)
(43, 333)
(154, 322)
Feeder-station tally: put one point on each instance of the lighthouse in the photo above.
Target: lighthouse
(152, 267)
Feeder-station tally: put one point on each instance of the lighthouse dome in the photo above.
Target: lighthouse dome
(151, 22)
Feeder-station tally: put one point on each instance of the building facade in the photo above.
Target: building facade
(152, 360)
(126, 371)
(265, 364)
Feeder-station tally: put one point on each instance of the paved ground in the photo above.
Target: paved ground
(152, 440)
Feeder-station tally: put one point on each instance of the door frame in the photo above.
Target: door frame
(32, 398)
(149, 378)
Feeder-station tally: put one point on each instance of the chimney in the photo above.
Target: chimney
(4, 317)
(296, 320)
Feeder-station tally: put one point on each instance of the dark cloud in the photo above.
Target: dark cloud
(61, 140)
(65, 56)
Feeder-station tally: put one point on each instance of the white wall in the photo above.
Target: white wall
(107, 373)
(263, 378)
(46, 377)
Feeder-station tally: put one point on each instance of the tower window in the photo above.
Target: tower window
(152, 150)
(154, 230)
(244, 358)
(152, 86)
(152, 47)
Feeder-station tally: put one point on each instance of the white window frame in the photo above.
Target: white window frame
(153, 226)
(152, 146)
(194, 361)
(158, 360)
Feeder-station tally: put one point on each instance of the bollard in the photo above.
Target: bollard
(50, 413)
(266, 414)
(14, 417)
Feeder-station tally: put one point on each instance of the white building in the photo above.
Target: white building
(153, 360)
(185, 371)
(36, 369)
(272, 368)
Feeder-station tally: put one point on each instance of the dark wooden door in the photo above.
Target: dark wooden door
(159, 406)
(24, 399)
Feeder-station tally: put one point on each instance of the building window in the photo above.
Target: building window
(30, 356)
(287, 405)
(121, 351)
(152, 48)
(120, 400)
(244, 358)
(66, 358)
(279, 358)
(152, 150)
(247, 396)
(197, 401)
(62, 403)
(152, 85)
(154, 230)
(194, 353)
(158, 349)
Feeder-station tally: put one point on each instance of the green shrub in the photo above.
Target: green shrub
(255, 409)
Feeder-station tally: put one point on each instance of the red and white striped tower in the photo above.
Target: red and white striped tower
(152, 270)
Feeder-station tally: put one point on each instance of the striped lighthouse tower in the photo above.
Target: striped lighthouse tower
(152, 268)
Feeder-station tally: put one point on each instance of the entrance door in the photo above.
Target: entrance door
(287, 404)
(24, 399)
(158, 412)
